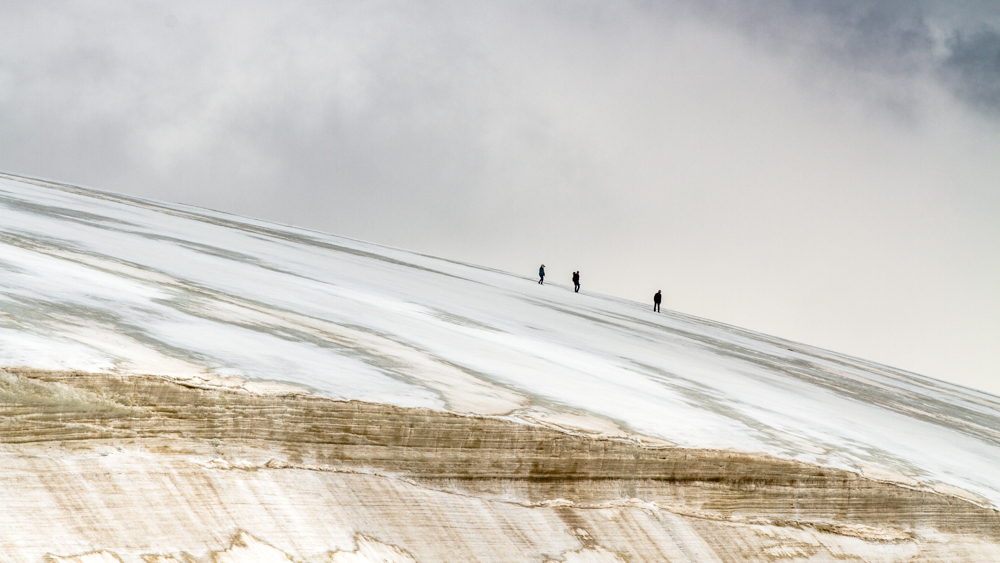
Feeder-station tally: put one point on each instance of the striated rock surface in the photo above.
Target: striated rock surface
(132, 468)
(181, 385)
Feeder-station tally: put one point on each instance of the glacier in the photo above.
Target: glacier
(100, 283)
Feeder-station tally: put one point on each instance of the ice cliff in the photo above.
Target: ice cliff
(180, 383)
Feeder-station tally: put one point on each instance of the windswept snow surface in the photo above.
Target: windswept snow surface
(107, 283)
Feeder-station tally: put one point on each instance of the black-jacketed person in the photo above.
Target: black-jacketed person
(656, 301)
(576, 282)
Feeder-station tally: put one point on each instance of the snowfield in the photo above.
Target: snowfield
(104, 283)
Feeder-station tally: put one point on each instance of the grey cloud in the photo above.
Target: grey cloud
(651, 145)
(866, 34)
(972, 68)
(872, 40)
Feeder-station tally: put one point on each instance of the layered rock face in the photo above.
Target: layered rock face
(98, 467)
(317, 398)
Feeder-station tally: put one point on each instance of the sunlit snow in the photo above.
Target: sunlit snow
(100, 282)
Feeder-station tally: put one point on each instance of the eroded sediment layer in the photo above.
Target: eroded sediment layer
(99, 453)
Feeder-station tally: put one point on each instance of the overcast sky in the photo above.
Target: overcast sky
(823, 171)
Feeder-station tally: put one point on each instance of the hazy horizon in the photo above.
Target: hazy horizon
(825, 172)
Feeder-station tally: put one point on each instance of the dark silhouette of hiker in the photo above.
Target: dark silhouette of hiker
(576, 282)
(541, 274)
(656, 301)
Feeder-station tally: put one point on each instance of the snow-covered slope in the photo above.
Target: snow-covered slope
(100, 282)
(172, 385)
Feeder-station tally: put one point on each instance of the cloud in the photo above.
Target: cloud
(882, 47)
(820, 170)
(972, 69)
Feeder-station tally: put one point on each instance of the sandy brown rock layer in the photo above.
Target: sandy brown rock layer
(483, 456)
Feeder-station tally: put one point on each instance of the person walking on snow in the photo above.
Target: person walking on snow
(541, 274)
(576, 282)
(656, 301)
